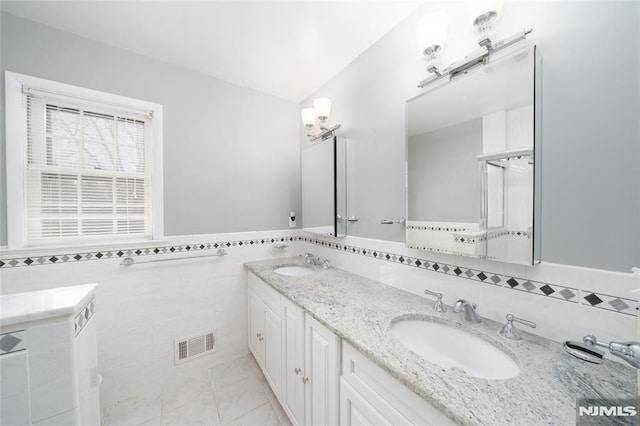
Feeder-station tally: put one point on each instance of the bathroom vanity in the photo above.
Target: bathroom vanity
(48, 358)
(327, 336)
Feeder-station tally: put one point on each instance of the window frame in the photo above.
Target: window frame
(16, 160)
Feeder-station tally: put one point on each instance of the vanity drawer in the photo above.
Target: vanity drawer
(394, 401)
(265, 292)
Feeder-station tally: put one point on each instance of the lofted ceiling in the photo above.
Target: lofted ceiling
(284, 48)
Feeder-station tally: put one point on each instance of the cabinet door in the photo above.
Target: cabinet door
(272, 344)
(14, 389)
(392, 400)
(322, 371)
(53, 387)
(293, 361)
(355, 410)
(86, 352)
(256, 326)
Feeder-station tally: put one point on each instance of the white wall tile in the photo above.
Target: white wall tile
(143, 308)
(557, 319)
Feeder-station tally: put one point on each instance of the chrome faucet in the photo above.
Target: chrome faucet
(313, 260)
(629, 351)
(469, 311)
(310, 259)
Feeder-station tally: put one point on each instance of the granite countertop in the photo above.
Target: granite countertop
(21, 308)
(360, 311)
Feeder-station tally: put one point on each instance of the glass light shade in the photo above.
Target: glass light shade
(432, 33)
(323, 108)
(308, 117)
(483, 14)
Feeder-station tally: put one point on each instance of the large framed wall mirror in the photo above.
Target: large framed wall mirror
(324, 187)
(473, 163)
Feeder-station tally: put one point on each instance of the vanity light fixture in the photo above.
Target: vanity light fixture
(321, 110)
(483, 15)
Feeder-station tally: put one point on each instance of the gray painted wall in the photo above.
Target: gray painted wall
(591, 131)
(231, 154)
(444, 175)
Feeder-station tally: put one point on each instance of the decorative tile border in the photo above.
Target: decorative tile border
(512, 158)
(137, 252)
(438, 228)
(86, 313)
(490, 235)
(610, 303)
(464, 239)
(433, 249)
(555, 291)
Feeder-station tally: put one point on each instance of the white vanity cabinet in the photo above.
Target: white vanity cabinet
(265, 331)
(321, 374)
(320, 379)
(307, 352)
(311, 362)
(370, 395)
(48, 358)
(293, 396)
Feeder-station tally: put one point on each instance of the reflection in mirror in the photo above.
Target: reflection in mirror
(324, 187)
(341, 186)
(470, 160)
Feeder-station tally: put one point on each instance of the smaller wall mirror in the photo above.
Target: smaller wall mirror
(324, 188)
(471, 163)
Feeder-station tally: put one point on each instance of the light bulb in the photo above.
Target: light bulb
(323, 108)
(483, 14)
(308, 117)
(432, 34)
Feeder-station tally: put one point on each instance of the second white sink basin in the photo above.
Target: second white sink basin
(453, 348)
(293, 270)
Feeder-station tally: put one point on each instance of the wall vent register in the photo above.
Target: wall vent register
(195, 346)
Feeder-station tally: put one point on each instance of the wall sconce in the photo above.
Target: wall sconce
(321, 110)
(432, 33)
(483, 14)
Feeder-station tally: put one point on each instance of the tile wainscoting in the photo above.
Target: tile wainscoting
(612, 302)
(567, 302)
(144, 307)
(622, 305)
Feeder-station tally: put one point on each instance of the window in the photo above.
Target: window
(87, 170)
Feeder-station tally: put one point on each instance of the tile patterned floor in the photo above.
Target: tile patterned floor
(236, 393)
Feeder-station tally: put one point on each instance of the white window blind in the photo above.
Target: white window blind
(88, 174)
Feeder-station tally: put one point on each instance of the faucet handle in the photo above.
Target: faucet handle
(510, 332)
(521, 321)
(438, 306)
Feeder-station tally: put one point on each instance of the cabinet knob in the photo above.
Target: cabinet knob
(305, 380)
(258, 335)
(261, 339)
(297, 371)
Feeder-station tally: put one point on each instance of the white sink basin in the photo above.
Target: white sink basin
(293, 270)
(453, 348)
